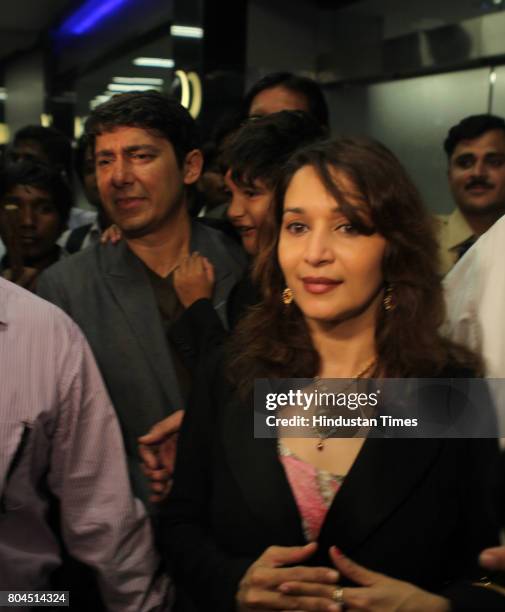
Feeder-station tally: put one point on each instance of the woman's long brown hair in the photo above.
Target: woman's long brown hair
(273, 341)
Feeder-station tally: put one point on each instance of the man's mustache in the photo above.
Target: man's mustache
(479, 182)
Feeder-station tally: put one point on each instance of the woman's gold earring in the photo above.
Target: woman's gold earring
(388, 300)
(287, 296)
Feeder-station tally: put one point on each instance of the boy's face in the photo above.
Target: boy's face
(248, 209)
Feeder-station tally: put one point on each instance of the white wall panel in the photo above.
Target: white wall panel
(411, 117)
(498, 97)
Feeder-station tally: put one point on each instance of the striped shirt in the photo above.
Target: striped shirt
(59, 439)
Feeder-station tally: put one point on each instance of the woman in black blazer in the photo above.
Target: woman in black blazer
(347, 268)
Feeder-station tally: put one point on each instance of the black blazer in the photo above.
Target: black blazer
(200, 332)
(416, 510)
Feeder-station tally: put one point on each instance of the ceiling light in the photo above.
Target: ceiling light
(4, 133)
(115, 87)
(46, 120)
(137, 80)
(186, 31)
(78, 127)
(97, 100)
(154, 62)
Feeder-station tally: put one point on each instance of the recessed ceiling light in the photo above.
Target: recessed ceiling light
(133, 87)
(97, 100)
(138, 80)
(154, 62)
(186, 31)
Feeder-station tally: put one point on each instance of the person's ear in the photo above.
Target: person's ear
(193, 164)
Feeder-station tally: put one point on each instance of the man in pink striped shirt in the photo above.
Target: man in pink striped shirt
(61, 448)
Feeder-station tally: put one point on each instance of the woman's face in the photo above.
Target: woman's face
(247, 210)
(334, 271)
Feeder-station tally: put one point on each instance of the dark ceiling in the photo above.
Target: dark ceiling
(23, 21)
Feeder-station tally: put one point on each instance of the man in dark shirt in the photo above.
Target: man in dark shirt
(35, 203)
(122, 295)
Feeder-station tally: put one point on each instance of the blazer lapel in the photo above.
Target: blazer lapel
(260, 475)
(129, 284)
(383, 475)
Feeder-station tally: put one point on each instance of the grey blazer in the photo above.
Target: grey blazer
(105, 289)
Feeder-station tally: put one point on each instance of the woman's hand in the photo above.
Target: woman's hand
(377, 593)
(194, 279)
(259, 588)
(493, 558)
(158, 449)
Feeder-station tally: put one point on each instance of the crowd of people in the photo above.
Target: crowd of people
(130, 472)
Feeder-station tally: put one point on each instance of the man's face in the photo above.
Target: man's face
(140, 182)
(477, 174)
(40, 221)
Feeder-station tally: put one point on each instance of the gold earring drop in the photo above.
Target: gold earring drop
(287, 296)
(388, 300)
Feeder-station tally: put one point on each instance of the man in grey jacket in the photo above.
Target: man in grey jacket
(122, 295)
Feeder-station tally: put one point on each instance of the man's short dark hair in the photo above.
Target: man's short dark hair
(150, 110)
(260, 148)
(55, 144)
(39, 176)
(307, 87)
(470, 128)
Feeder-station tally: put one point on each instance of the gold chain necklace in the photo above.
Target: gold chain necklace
(323, 433)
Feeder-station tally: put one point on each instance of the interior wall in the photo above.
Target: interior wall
(412, 117)
(498, 92)
(24, 82)
(280, 36)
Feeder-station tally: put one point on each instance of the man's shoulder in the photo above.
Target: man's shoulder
(80, 276)
(218, 243)
(87, 266)
(87, 258)
(442, 221)
(17, 305)
(442, 218)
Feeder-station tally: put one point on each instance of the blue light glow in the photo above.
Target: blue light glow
(89, 15)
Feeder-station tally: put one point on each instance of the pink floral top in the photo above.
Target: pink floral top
(313, 490)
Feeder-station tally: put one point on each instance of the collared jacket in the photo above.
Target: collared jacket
(106, 290)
